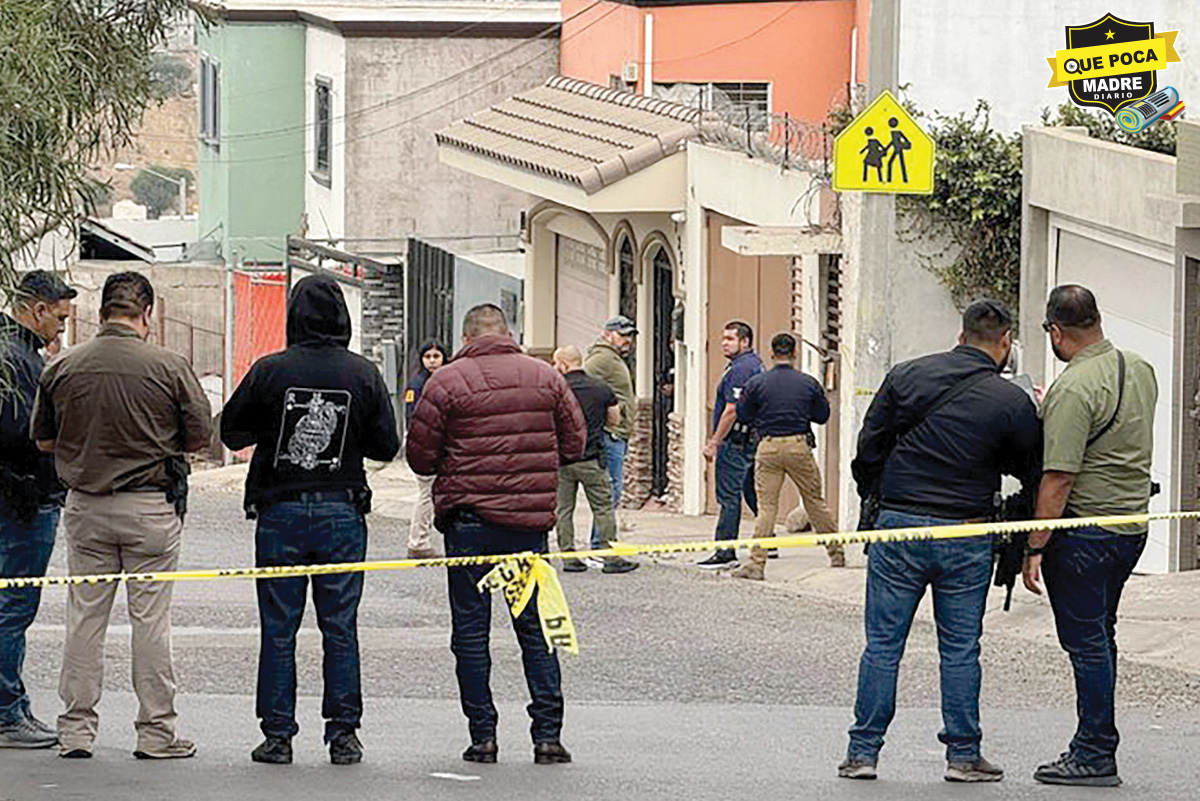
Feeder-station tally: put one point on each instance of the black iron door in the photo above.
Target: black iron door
(664, 369)
(430, 298)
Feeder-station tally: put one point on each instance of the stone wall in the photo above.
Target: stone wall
(639, 460)
(673, 497)
(382, 312)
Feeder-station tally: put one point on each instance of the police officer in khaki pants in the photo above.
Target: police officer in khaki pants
(119, 413)
(781, 405)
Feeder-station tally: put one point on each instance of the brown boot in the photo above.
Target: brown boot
(755, 568)
(837, 555)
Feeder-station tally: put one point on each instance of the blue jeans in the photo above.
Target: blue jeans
(1085, 571)
(959, 571)
(309, 533)
(733, 467)
(25, 549)
(471, 623)
(612, 459)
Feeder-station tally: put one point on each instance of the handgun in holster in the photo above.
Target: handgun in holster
(178, 469)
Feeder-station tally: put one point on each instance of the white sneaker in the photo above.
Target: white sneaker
(594, 561)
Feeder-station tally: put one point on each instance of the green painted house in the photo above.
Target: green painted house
(252, 155)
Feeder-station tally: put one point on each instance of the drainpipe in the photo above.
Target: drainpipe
(648, 72)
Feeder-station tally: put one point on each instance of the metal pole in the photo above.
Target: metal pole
(227, 346)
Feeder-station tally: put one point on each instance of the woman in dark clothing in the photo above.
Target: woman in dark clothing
(432, 355)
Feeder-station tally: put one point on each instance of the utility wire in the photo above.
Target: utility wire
(423, 89)
(415, 117)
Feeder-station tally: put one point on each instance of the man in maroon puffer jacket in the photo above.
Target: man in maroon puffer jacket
(493, 426)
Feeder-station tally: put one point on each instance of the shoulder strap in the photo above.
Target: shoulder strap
(948, 395)
(1120, 397)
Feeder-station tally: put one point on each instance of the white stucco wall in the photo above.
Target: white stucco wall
(955, 51)
(325, 206)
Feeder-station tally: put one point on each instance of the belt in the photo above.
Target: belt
(786, 437)
(334, 496)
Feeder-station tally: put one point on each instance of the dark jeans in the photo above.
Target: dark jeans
(471, 620)
(309, 533)
(897, 575)
(612, 459)
(1085, 571)
(734, 471)
(25, 549)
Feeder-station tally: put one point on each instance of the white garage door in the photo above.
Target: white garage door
(1135, 289)
(582, 303)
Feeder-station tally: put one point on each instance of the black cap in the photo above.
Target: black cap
(622, 325)
(45, 286)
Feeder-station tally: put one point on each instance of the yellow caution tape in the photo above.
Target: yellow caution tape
(616, 549)
(518, 577)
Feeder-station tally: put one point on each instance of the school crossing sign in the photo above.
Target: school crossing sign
(883, 150)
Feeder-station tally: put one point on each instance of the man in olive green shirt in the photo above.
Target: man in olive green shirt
(606, 361)
(1099, 424)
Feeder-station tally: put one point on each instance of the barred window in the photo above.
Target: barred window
(738, 102)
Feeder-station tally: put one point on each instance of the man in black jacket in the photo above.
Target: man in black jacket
(315, 411)
(933, 446)
(30, 494)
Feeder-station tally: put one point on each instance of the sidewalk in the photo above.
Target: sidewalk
(1159, 613)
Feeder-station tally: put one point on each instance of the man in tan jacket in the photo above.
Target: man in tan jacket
(123, 511)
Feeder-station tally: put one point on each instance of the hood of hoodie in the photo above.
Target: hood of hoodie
(317, 313)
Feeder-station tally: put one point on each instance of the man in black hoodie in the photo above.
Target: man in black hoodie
(314, 412)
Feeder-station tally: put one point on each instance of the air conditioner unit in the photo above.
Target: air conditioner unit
(629, 72)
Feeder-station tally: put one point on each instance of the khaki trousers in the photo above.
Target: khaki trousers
(420, 529)
(776, 458)
(132, 532)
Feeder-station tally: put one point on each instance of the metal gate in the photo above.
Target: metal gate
(430, 298)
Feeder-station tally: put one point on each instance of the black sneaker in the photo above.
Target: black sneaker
(483, 752)
(772, 553)
(574, 566)
(273, 751)
(618, 565)
(980, 770)
(856, 769)
(345, 749)
(550, 754)
(1068, 770)
(719, 560)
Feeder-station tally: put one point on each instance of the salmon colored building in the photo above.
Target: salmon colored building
(774, 57)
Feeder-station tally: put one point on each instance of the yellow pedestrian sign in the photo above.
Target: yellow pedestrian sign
(883, 150)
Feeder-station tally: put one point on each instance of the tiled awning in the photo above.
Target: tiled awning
(575, 132)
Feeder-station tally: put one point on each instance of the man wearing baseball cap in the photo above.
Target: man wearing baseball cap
(30, 494)
(606, 361)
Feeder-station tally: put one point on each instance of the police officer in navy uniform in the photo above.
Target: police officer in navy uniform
(729, 445)
(781, 405)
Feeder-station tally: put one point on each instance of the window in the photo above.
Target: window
(210, 101)
(737, 102)
(322, 128)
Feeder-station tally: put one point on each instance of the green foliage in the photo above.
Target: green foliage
(75, 77)
(1157, 136)
(171, 76)
(975, 208)
(158, 194)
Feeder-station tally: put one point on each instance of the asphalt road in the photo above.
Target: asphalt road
(689, 685)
